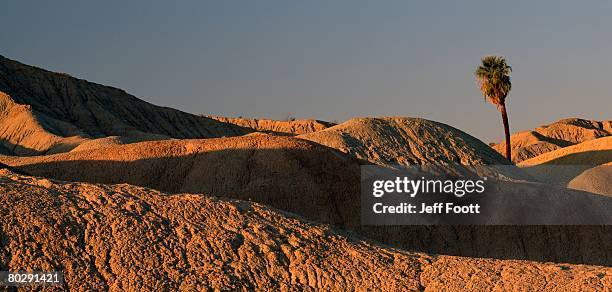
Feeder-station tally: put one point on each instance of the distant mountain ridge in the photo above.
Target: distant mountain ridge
(62, 106)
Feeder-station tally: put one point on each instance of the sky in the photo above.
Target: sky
(329, 60)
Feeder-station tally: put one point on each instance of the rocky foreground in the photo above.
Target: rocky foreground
(122, 237)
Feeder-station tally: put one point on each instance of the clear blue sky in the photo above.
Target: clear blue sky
(330, 60)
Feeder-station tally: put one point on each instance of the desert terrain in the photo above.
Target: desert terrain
(122, 237)
(121, 194)
(560, 134)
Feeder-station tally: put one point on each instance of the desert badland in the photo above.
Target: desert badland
(120, 194)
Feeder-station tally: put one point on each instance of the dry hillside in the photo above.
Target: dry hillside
(563, 133)
(316, 182)
(295, 127)
(121, 237)
(406, 141)
(44, 111)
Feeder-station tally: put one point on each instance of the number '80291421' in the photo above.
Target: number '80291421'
(31, 278)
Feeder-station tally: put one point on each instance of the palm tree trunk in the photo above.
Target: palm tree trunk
(506, 130)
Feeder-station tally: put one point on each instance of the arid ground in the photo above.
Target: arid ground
(121, 194)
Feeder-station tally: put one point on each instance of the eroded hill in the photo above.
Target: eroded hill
(121, 237)
(406, 141)
(563, 133)
(46, 111)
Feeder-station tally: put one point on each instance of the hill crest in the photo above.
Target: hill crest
(406, 141)
(64, 106)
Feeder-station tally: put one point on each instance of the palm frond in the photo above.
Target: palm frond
(493, 77)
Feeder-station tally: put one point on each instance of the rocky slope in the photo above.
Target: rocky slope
(121, 237)
(295, 127)
(316, 182)
(563, 133)
(42, 109)
(406, 141)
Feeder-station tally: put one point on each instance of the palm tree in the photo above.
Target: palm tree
(493, 77)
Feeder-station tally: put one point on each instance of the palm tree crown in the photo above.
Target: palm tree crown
(494, 79)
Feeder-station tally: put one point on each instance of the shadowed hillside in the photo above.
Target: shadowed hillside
(41, 108)
(290, 174)
(5, 151)
(23, 133)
